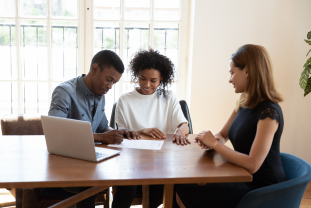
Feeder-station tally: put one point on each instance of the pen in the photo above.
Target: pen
(117, 126)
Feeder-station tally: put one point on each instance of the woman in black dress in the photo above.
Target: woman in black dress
(254, 129)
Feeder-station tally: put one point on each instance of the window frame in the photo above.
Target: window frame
(85, 44)
(48, 19)
(182, 41)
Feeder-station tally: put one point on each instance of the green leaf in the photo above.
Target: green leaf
(308, 52)
(307, 63)
(304, 77)
(308, 41)
(309, 35)
(308, 87)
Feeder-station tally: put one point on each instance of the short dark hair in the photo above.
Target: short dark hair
(148, 59)
(107, 58)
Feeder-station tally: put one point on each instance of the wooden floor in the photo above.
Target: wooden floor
(5, 196)
(306, 200)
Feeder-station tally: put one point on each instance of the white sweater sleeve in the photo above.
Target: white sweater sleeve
(120, 117)
(177, 114)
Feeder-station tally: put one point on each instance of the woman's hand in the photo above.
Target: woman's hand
(206, 140)
(180, 138)
(153, 132)
(201, 144)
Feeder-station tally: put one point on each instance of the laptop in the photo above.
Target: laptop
(73, 138)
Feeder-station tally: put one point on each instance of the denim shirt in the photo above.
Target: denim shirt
(73, 99)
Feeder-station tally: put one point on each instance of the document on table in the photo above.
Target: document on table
(140, 144)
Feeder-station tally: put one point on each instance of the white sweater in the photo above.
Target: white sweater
(135, 111)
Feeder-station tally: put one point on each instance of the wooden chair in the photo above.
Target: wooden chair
(29, 197)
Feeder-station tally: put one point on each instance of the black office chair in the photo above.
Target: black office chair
(185, 110)
(183, 105)
(112, 123)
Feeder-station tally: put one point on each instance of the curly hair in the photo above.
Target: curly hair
(151, 59)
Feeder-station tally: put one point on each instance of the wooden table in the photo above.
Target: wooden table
(25, 163)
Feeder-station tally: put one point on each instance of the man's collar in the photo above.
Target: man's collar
(85, 89)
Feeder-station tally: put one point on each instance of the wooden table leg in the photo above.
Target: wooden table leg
(145, 196)
(19, 197)
(168, 195)
(107, 199)
(79, 197)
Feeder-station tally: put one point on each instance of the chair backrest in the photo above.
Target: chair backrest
(27, 124)
(183, 105)
(287, 194)
(112, 122)
(295, 167)
(185, 110)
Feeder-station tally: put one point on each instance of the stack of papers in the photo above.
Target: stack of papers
(140, 144)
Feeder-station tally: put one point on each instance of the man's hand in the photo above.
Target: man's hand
(110, 137)
(180, 138)
(130, 134)
(153, 132)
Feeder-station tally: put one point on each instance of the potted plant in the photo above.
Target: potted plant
(305, 81)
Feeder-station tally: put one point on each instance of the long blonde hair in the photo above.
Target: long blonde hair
(260, 76)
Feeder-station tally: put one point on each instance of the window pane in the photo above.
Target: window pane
(167, 10)
(106, 36)
(64, 8)
(35, 97)
(107, 9)
(136, 37)
(35, 8)
(54, 85)
(166, 42)
(173, 88)
(43, 98)
(128, 87)
(7, 49)
(33, 50)
(137, 9)
(7, 8)
(8, 98)
(64, 50)
(109, 101)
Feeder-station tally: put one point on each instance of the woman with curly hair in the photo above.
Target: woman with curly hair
(152, 110)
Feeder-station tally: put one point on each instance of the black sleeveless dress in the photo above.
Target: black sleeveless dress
(242, 134)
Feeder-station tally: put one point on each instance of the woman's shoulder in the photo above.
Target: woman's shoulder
(167, 94)
(271, 110)
(168, 97)
(127, 97)
(270, 105)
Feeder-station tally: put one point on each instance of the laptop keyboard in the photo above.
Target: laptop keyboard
(100, 155)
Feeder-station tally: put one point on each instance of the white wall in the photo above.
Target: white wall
(218, 29)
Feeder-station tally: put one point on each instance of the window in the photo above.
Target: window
(38, 49)
(129, 25)
(46, 42)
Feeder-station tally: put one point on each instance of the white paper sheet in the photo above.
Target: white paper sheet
(140, 144)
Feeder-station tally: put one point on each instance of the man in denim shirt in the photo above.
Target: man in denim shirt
(82, 98)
